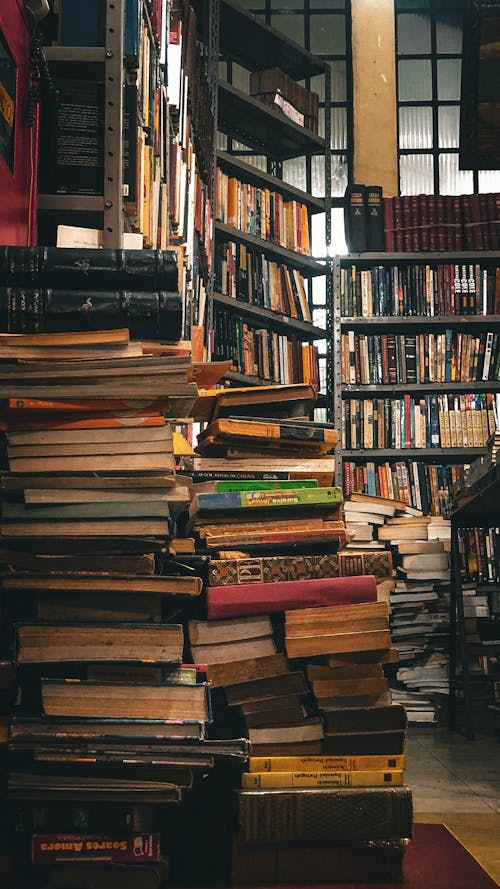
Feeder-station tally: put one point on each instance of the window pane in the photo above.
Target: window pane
(318, 177)
(284, 5)
(449, 34)
(415, 127)
(318, 291)
(449, 72)
(414, 34)
(327, 4)
(318, 243)
(415, 80)
(489, 180)
(449, 126)
(291, 25)
(451, 179)
(416, 174)
(294, 172)
(338, 118)
(328, 34)
(338, 232)
(339, 175)
(338, 76)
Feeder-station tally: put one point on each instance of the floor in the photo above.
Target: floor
(457, 782)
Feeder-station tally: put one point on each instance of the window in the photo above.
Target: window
(429, 65)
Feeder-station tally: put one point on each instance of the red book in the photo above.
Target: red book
(407, 224)
(414, 223)
(440, 222)
(389, 241)
(431, 213)
(423, 221)
(19, 179)
(398, 224)
(457, 223)
(135, 848)
(449, 220)
(492, 227)
(483, 215)
(266, 598)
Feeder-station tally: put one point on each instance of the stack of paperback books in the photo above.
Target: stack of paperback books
(107, 710)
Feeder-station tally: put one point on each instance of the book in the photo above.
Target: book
(374, 212)
(236, 500)
(46, 787)
(134, 848)
(289, 816)
(266, 689)
(310, 729)
(224, 652)
(324, 763)
(46, 643)
(269, 569)
(262, 467)
(97, 582)
(246, 599)
(312, 439)
(97, 699)
(355, 218)
(214, 632)
(361, 778)
(241, 671)
(125, 819)
(274, 401)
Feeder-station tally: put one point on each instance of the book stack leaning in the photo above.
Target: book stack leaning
(110, 721)
(295, 639)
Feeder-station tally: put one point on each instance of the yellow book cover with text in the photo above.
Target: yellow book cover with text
(325, 763)
(364, 778)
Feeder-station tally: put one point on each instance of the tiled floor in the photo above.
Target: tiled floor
(457, 782)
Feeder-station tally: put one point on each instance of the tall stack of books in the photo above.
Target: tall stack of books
(107, 710)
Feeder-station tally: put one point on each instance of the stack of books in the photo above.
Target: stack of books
(107, 710)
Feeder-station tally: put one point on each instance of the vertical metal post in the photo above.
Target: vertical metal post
(330, 351)
(212, 38)
(458, 621)
(113, 125)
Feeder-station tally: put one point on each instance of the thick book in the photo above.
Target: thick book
(315, 814)
(295, 400)
(56, 643)
(306, 778)
(115, 699)
(324, 763)
(257, 598)
(100, 582)
(269, 569)
(262, 467)
(224, 432)
(125, 819)
(374, 219)
(236, 500)
(47, 848)
(99, 269)
(148, 314)
(355, 218)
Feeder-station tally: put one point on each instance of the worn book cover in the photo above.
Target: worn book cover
(269, 569)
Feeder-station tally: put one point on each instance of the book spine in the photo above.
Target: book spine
(225, 572)
(360, 778)
(135, 848)
(325, 763)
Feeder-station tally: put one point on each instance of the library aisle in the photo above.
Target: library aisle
(456, 782)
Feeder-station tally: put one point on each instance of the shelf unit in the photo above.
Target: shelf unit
(243, 39)
(479, 506)
(378, 324)
(110, 58)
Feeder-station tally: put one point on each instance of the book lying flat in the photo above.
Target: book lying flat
(120, 583)
(257, 598)
(46, 643)
(234, 500)
(116, 699)
(307, 436)
(268, 569)
(306, 778)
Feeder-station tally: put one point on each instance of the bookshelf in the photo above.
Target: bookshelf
(414, 318)
(251, 126)
(477, 507)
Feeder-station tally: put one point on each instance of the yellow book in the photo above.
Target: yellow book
(371, 778)
(325, 763)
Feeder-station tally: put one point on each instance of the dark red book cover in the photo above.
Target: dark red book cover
(440, 222)
(407, 224)
(266, 598)
(389, 240)
(449, 222)
(423, 221)
(398, 224)
(457, 223)
(18, 143)
(136, 848)
(483, 216)
(432, 217)
(414, 224)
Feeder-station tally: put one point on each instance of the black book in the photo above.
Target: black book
(102, 269)
(149, 315)
(374, 219)
(355, 218)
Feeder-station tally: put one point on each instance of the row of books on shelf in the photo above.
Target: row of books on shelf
(420, 289)
(249, 276)
(479, 550)
(423, 486)
(414, 223)
(262, 212)
(449, 357)
(432, 421)
(263, 353)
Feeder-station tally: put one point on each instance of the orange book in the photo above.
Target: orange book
(52, 420)
(97, 406)
(306, 243)
(232, 202)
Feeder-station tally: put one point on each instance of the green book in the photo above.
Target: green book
(270, 498)
(265, 485)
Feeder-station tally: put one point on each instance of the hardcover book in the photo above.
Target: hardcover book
(269, 569)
